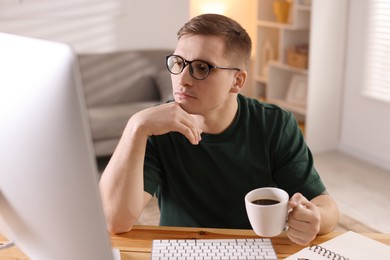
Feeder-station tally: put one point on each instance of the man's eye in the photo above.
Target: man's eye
(176, 64)
(201, 67)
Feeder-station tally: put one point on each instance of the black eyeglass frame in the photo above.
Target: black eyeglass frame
(187, 62)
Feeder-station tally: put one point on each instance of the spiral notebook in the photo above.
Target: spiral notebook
(350, 245)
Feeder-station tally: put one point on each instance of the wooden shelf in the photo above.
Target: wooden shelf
(276, 25)
(261, 79)
(301, 110)
(301, 7)
(273, 76)
(288, 67)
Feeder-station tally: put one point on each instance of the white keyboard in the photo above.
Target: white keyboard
(194, 249)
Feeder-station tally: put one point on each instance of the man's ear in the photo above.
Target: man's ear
(239, 81)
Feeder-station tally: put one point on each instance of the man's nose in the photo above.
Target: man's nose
(185, 78)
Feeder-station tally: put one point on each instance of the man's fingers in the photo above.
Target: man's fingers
(189, 128)
(298, 237)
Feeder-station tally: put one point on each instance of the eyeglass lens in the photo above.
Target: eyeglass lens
(198, 69)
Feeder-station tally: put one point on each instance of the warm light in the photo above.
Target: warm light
(243, 12)
(213, 8)
(198, 7)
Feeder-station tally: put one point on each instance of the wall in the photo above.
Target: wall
(96, 25)
(152, 23)
(365, 126)
(326, 77)
(339, 116)
(243, 12)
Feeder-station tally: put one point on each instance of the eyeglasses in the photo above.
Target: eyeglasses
(198, 69)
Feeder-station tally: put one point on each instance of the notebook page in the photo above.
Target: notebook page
(350, 245)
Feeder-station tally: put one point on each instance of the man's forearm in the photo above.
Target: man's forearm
(121, 184)
(329, 213)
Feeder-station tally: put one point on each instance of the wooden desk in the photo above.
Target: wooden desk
(136, 244)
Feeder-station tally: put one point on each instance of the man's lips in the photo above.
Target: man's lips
(183, 95)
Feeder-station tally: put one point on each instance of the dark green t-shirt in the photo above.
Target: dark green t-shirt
(204, 185)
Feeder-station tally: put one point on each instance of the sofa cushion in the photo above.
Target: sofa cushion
(164, 85)
(117, 85)
(120, 77)
(105, 147)
(110, 121)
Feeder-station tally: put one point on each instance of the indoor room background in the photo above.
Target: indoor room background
(339, 117)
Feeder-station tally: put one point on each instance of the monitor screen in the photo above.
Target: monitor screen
(49, 198)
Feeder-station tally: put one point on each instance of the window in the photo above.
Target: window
(377, 68)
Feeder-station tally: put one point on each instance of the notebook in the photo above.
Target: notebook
(350, 245)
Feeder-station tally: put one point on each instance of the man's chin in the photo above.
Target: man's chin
(190, 109)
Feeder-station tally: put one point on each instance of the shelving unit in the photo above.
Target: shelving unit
(273, 74)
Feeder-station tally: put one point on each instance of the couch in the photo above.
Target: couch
(119, 84)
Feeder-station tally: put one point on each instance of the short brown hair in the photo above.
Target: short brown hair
(238, 43)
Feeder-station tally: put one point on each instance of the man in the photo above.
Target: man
(201, 153)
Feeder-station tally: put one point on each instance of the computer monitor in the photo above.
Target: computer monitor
(49, 198)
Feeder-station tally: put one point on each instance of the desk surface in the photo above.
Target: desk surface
(137, 243)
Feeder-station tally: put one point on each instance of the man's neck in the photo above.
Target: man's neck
(218, 120)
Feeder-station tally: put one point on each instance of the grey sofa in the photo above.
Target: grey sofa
(119, 84)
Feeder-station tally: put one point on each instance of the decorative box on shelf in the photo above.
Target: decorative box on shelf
(298, 56)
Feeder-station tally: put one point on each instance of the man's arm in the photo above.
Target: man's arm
(122, 183)
(329, 213)
(307, 219)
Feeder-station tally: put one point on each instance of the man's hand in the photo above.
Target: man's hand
(303, 220)
(166, 118)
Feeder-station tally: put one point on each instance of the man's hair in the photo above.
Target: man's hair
(238, 44)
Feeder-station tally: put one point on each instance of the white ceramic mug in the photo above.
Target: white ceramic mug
(267, 220)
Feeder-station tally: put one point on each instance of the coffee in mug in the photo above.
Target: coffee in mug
(265, 202)
(267, 210)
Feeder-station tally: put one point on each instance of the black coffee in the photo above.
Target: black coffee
(265, 202)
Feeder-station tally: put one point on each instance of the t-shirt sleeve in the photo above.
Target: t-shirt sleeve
(152, 169)
(293, 162)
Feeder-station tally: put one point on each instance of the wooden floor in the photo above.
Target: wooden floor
(360, 189)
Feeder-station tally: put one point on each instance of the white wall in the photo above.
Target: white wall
(152, 23)
(96, 25)
(365, 128)
(339, 116)
(326, 77)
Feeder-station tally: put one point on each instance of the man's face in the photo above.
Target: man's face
(203, 96)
